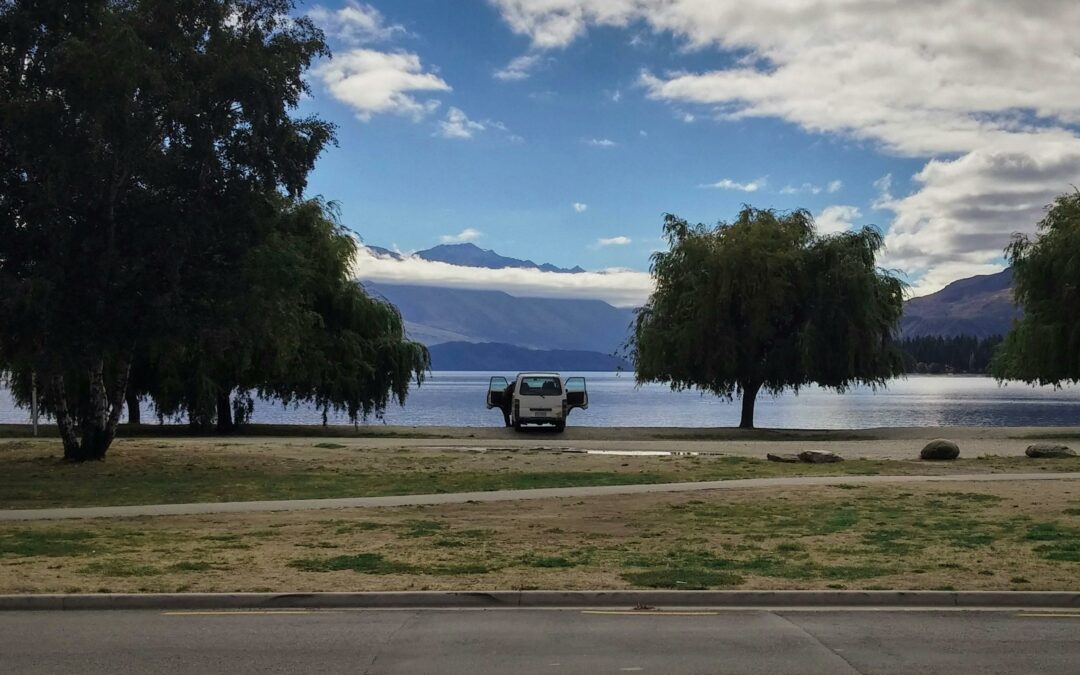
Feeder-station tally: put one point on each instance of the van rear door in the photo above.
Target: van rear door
(577, 394)
(496, 392)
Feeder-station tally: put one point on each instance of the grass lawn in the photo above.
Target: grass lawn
(175, 470)
(942, 536)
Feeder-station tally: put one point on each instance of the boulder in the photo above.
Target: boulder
(787, 459)
(940, 448)
(1049, 451)
(819, 457)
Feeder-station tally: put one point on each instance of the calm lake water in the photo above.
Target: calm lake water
(457, 399)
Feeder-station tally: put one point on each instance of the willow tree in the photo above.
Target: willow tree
(291, 325)
(1043, 346)
(135, 138)
(765, 303)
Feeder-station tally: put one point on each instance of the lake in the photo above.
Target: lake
(457, 399)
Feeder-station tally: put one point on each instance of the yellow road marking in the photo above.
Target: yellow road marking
(646, 612)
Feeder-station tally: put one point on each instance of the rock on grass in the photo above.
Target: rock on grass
(1049, 451)
(819, 457)
(940, 449)
(782, 457)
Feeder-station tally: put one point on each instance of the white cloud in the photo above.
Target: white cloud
(805, 188)
(809, 188)
(519, 68)
(965, 210)
(458, 125)
(373, 82)
(614, 241)
(601, 142)
(833, 219)
(947, 272)
(990, 98)
(620, 288)
(579, 207)
(355, 23)
(616, 96)
(728, 184)
(468, 234)
(884, 187)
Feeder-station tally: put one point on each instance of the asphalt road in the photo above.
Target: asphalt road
(542, 641)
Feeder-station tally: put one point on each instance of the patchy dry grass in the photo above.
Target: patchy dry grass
(165, 470)
(961, 536)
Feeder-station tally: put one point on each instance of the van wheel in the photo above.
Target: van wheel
(517, 425)
(560, 427)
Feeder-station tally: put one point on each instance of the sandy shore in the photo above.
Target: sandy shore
(885, 443)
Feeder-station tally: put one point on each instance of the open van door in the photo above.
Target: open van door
(577, 395)
(496, 392)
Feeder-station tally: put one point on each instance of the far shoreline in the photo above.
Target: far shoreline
(575, 433)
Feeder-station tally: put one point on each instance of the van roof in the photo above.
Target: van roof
(537, 374)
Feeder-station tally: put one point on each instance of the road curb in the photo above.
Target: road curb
(542, 599)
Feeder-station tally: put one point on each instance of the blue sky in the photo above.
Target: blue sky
(633, 108)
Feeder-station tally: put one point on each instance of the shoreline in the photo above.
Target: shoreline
(577, 433)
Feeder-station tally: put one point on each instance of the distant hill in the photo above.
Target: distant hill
(471, 255)
(497, 356)
(979, 306)
(435, 315)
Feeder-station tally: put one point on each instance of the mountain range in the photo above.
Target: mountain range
(493, 330)
(471, 255)
(979, 306)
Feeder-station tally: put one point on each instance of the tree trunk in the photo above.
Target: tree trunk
(102, 411)
(749, 398)
(134, 414)
(224, 414)
(64, 421)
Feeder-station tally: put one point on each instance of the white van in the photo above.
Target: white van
(537, 398)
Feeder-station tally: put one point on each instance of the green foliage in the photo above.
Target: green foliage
(152, 220)
(294, 327)
(1043, 346)
(766, 303)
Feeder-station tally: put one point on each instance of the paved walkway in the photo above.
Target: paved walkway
(501, 495)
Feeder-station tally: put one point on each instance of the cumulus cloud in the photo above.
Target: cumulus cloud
(613, 241)
(621, 288)
(980, 94)
(579, 207)
(458, 125)
(728, 184)
(468, 234)
(373, 82)
(518, 69)
(355, 23)
(834, 186)
(601, 142)
(833, 219)
(964, 210)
